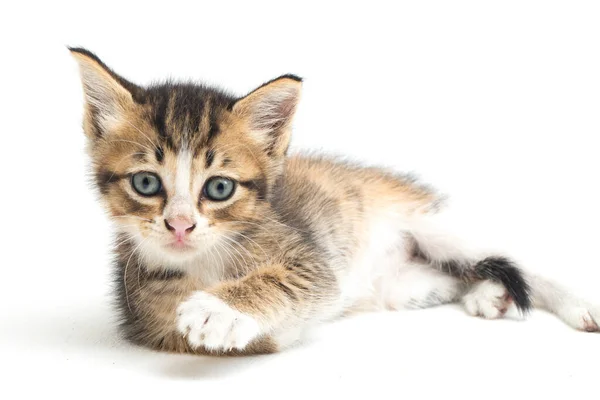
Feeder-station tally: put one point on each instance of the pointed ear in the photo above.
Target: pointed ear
(268, 112)
(107, 95)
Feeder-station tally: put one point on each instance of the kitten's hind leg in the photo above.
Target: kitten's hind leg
(421, 286)
(494, 282)
(418, 286)
(573, 310)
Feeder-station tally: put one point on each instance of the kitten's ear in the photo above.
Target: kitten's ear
(107, 95)
(269, 110)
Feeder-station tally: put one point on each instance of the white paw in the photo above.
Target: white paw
(487, 299)
(580, 317)
(207, 321)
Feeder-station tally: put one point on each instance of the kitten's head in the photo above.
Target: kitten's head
(182, 168)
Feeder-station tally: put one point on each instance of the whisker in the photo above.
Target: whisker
(222, 263)
(229, 246)
(231, 242)
(125, 274)
(249, 239)
(134, 216)
(129, 226)
(151, 228)
(288, 226)
(243, 262)
(234, 245)
(230, 255)
(127, 237)
(213, 259)
(210, 252)
(258, 225)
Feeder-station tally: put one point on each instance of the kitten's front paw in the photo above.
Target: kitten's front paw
(207, 321)
(487, 299)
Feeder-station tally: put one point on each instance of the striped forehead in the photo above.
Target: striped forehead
(186, 116)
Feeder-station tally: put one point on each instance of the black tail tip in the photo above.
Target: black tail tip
(505, 271)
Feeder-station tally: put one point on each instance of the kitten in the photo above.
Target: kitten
(226, 245)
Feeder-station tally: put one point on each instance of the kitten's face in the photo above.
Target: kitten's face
(181, 200)
(183, 169)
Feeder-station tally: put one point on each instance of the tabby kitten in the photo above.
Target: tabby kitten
(227, 245)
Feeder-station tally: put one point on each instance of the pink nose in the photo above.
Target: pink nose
(180, 226)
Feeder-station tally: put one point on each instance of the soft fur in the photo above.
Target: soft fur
(301, 241)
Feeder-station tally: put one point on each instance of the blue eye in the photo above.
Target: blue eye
(146, 183)
(219, 189)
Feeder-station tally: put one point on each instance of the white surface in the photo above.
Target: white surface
(495, 104)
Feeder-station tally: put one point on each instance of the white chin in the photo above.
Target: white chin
(158, 254)
(180, 251)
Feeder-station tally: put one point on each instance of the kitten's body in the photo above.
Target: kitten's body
(300, 241)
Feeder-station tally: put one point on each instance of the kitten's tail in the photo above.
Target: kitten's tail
(504, 271)
(498, 269)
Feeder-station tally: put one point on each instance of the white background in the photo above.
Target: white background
(495, 103)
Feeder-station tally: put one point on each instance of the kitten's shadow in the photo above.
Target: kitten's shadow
(204, 367)
(90, 332)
